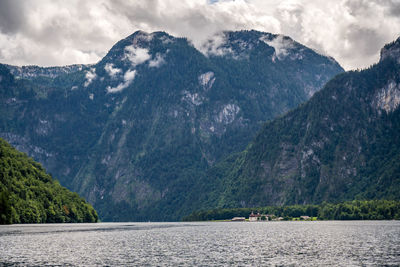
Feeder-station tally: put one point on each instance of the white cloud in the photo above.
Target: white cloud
(136, 55)
(157, 61)
(211, 46)
(129, 76)
(109, 68)
(90, 76)
(280, 44)
(51, 32)
(214, 45)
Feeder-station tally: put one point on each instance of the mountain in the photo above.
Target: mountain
(29, 195)
(34, 72)
(343, 144)
(134, 132)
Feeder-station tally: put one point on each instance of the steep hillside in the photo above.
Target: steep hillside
(343, 144)
(134, 132)
(29, 195)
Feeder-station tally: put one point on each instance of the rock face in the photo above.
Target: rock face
(388, 98)
(31, 72)
(134, 132)
(391, 50)
(343, 144)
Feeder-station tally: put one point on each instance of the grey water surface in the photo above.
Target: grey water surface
(318, 243)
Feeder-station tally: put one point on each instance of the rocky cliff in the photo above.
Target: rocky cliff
(342, 144)
(134, 132)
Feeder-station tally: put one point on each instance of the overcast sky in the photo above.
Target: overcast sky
(59, 32)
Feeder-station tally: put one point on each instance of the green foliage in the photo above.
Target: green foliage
(29, 195)
(338, 146)
(140, 152)
(5, 208)
(350, 210)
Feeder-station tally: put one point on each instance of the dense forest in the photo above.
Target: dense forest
(29, 195)
(342, 144)
(135, 153)
(350, 210)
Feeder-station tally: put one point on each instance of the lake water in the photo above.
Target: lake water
(325, 243)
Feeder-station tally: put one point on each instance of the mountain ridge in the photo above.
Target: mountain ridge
(340, 145)
(134, 131)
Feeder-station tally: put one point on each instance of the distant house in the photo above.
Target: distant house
(254, 217)
(238, 219)
(259, 217)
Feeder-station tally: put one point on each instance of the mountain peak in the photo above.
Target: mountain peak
(238, 44)
(159, 113)
(138, 48)
(391, 50)
(142, 37)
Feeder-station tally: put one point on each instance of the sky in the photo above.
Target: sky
(58, 32)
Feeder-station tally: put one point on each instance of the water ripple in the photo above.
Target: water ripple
(367, 243)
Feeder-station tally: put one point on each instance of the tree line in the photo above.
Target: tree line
(349, 210)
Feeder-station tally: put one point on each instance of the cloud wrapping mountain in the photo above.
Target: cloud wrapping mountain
(134, 132)
(67, 32)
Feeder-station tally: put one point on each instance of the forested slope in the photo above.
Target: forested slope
(29, 195)
(343, 144)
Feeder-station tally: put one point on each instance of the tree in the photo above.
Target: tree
(5, 208)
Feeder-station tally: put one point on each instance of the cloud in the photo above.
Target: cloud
(10, 19)
(51, 32)
(112, 72)
(136, 55)
(90, 76)
(214, 46)
(280, 44)
(157, 61)
(352, 31)
(129, 76)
